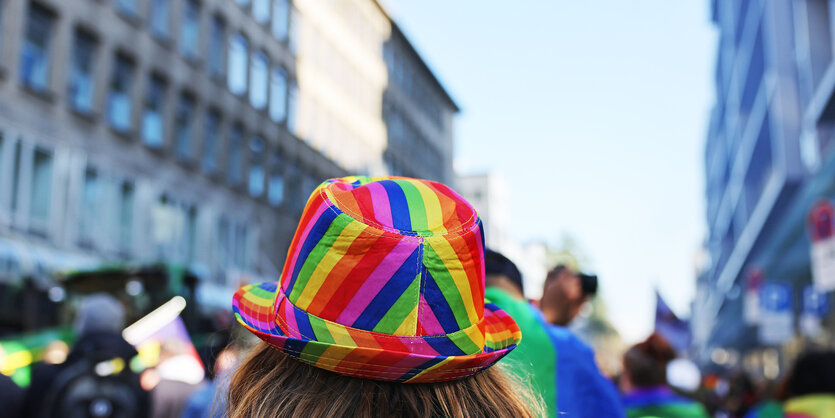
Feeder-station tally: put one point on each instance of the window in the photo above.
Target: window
(118, 103)
(278, 94)
(153, 125)
(16, 160)
(81, 72)
(234, 153)
(275, 189)
(256, 166)
(127, 7)
(183, 126)
(190, 34)
(293, 31)
(2, 4)
(258, 80)
(238, 57)
(281, 19)
(160, 18)
(217, 34)
(242, 3)
(126, 199)
(224, 242)
(34, 64)
(90, 204)
(41, 187)
(240, 258)
(211, 132)
(292, 95)
(261, 11)
(190, 238)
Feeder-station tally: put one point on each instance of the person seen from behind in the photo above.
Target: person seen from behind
(810, 387)
(646, 392)
(560, 366)
(379, 311)
(11, 397)
(180, 375)
(220, 356)
(95, 379)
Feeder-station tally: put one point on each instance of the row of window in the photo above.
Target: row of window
(273, 90)
(266, 85)
(408, 77)
(107, 207)
(407, 139)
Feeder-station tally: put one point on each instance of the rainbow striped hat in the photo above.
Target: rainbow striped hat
(384, 279)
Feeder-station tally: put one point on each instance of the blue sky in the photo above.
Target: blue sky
(595, 112)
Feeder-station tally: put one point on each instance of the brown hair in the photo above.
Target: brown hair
(646, 362)
(271, 384)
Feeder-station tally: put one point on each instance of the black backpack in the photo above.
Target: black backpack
(97, 385)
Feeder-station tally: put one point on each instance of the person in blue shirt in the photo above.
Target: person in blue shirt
(560, 366)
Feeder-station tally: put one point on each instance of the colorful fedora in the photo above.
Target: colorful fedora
(384, 280)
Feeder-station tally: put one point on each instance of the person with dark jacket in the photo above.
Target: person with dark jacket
(11, 397)
(100, 354)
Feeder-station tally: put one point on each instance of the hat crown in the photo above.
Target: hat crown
(395, 256)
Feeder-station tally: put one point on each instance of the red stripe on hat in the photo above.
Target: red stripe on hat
(348, 265)
(351, 283)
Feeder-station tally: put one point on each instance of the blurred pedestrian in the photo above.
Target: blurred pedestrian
(180, 375)
(810, 386)
(11, 397)
(210, 400)
(95, 379)
(644, 383)
(564, 294)
(379, 311)
(560, 366)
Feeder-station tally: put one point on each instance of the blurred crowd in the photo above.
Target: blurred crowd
(156, 368)
(98, 376)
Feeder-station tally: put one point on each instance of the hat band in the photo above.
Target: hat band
(298, 323)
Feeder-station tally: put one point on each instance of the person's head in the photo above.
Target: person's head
(562, 295)
(272, 384)
(503, 273)
(100, 313)
(645, 364)
(380, 308)
(813, 373)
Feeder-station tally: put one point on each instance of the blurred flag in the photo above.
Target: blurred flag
(675, 330)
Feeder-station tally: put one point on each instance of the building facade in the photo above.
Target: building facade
(768, 158)
(192, 131)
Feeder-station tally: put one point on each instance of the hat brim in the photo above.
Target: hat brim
(373, 355)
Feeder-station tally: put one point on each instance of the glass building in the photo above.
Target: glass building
(768, 159)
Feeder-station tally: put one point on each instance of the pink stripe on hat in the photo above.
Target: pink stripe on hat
(377, 280)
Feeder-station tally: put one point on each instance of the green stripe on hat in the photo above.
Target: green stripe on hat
(417, 210)
(322, 247)
(402, 309)
(447, 286)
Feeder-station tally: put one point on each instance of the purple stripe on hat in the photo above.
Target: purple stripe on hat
(380, 200)
(376, 280)
(290, 318)
(427, 319)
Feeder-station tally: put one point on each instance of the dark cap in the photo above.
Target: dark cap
(497, 264)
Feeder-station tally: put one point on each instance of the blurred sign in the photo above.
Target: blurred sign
(815, 307)
(822, 234)
(776, 314)
(751, 303)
